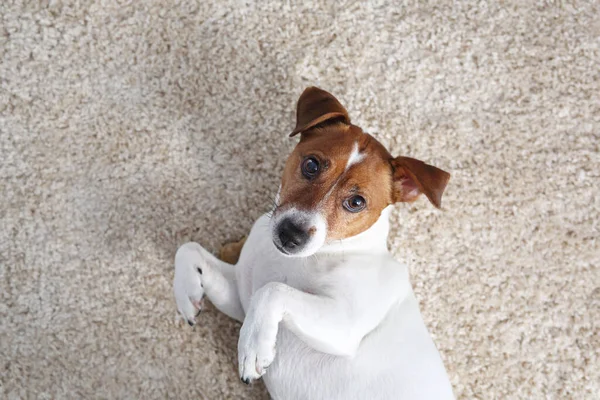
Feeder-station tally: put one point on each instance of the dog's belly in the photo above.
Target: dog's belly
(396, 361)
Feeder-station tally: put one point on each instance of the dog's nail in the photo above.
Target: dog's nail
(199, 270)
(198, 313)
(246, 380)
(190, 322)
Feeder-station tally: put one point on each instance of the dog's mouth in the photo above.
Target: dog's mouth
(281, 249)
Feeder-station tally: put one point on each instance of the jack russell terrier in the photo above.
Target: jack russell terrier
(327, 312)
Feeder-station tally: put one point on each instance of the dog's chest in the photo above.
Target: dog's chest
(308, 275)
(261, 263)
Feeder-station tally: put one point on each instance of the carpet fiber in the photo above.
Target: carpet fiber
(128, 127)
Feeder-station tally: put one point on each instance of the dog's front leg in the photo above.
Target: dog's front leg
(324, 323)
(198, 272)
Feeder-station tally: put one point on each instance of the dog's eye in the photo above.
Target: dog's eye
(355, 203)
(310, 167)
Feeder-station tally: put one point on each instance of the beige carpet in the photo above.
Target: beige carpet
(128, 127)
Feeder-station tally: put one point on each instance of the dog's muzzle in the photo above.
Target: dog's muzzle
(298, 233)
(292, 238)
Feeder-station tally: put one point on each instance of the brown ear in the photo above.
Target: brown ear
(316, 106)
(413, 177)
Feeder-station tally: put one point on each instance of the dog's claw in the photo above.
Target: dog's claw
(246, 380)
(190, 322)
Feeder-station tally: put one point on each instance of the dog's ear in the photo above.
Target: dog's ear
(316, 106)
(413, 177)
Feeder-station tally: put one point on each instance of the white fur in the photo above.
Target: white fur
(277, 197)
(342, 324)
(355, 157)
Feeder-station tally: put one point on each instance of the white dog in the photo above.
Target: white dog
(327, 312)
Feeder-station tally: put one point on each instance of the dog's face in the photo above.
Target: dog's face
(338, 179)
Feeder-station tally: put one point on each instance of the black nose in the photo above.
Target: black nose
(291, 236)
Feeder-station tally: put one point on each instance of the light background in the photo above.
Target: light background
(128, 127)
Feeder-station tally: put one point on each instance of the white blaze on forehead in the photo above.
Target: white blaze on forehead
(355, 157)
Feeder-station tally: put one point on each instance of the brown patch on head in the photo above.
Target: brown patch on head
(331, 140)
(371, 178)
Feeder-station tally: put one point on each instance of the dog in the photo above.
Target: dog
(327, 312)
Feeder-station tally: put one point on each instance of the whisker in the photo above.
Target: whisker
(272, 205)
(342, 248)
(316, 258)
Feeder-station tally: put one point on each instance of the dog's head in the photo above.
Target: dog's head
(338, 179)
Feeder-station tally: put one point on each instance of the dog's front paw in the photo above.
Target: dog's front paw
(187, 284)
(256, 351)
(256, 347)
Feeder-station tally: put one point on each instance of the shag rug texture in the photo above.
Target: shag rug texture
(129, 127)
